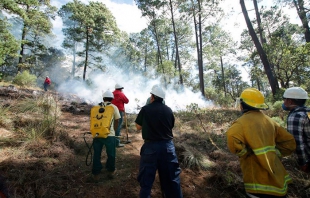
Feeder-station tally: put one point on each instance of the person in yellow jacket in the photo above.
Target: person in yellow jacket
(260, 143)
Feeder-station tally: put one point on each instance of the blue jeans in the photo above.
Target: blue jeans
(161, 156)
(118, 131)
(45, 85)
(98, 144)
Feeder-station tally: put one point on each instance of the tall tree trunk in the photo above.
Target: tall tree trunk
(86, 54)
(167, 48)
(259, 23)
(159, 52)
(73, 62)
(158, 46)
(198, 37)
(176, 44)
(202, 85)
(171, 58)
(299, 4)
(145, 58)
(262, 37)
(22, 46)
(272, 81)
(200, 68)
(223, 75)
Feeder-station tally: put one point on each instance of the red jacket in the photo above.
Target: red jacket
(119, 100)
(47, 81)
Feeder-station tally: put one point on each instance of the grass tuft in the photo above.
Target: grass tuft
(37, 118)
(195, 160)
(5, 121)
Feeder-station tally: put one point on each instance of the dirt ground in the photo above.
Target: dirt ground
(60, 166)
(127, 163)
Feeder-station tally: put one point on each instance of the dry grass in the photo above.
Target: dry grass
(5, 121)
(192, 159)
(41, 163)
(37, 118)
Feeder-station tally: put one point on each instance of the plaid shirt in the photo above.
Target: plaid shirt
(298, 124)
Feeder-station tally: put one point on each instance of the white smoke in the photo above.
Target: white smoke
(137, 89)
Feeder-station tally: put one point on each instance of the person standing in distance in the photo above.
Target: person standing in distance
(47, 83)
(158, 152)
(260, 142)
(298, 123)
(119, 100)
(108, 142)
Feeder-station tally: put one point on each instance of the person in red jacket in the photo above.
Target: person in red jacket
(47, 83)
(119, 100)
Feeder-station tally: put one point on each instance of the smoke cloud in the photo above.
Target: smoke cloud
(137, 89)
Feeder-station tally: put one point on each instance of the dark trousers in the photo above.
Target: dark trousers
(98, 144)
(45, 85)
(159, 156)
(118, 130)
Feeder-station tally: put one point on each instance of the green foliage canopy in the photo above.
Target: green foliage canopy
(8, 44)
(92, 26)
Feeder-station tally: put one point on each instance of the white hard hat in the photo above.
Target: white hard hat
(108, 94)
(118, 86)
(295, 93)
(157, 91)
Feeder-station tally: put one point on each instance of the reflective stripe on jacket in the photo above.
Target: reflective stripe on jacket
(259, 142)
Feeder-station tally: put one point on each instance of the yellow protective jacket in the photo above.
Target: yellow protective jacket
(260, 142)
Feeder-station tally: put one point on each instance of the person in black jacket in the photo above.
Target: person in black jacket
(158, 152)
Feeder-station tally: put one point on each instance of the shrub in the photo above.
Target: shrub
(280, 121)
(277, 97)
(193, 107)
(277, 106)
(219, 98)
(25, 79)
(276, 110)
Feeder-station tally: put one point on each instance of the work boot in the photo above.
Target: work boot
(111, 174)
(120, 145)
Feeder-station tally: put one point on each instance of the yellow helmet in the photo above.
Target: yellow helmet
(253, 98)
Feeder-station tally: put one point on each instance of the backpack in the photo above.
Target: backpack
(101, 119)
